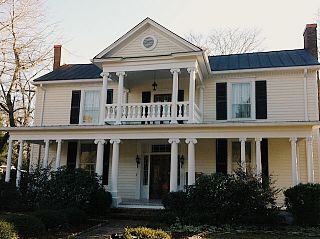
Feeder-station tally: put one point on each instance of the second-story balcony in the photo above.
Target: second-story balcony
(158, 112)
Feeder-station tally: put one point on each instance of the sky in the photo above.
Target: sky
(87, 27)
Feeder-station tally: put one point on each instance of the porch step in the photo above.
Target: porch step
(148, 214)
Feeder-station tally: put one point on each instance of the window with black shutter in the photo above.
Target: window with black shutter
(72, 155)
(75, 107)
(222, 156)
(221, 101)
(110, 96)
(261, 99)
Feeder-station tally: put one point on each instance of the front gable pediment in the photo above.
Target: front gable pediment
(150, 34)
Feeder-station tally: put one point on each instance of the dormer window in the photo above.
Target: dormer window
(149, 43)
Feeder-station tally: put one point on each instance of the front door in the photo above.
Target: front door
(159, 176)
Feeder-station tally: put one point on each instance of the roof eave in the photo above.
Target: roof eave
(309, 67)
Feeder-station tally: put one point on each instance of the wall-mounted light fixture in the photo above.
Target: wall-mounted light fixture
(154, 85)
(138, 160)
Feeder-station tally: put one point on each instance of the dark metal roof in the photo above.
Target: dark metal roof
(72, 72)
(286, 58)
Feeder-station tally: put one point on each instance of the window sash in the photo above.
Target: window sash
(91, 107)
(241, 100)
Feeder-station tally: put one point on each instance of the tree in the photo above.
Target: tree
(25, 52)
(228, 41)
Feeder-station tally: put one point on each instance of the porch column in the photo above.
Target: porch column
(201, 95)
(243, 154)
(191, 161)
(114, 170)
(258, 157)
(310, 167)
(120, 96)
(58, 156)
(19, 164)
(174, 165)
(175, 88)
(294, 161)
(192, 88)
(46, 154)
(9, 160)
(100, 150)
(103, 100)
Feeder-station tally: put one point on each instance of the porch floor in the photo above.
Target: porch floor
(141, 203)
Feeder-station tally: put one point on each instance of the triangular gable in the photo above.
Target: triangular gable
(130, 44)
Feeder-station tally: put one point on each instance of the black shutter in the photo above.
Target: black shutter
(261, 99)
(181, 98)
(222, 156)
(72, 155)
(146, 98)
(75, 107)
(221, 101)
(106, 159)
(264, 161)
(110, 96)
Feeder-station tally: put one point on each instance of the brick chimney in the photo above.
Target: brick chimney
(310, 39)
(56, 56)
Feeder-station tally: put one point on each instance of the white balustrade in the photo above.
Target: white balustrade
(157, 111)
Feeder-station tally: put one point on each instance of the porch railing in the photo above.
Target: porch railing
(158, 111)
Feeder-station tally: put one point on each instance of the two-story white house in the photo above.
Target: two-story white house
(153, 111)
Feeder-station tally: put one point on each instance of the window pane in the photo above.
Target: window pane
(91, 107)
(236, 152)
(88, 154)
(241, 100)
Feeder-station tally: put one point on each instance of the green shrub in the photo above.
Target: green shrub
(63, 189)
(145, 233)
(75, 216)
(10, 198)
(7, 230)
(26, 225)
(51, 218)
(303, 201)
(100, 202)
(224, 199)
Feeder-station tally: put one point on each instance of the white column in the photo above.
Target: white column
(103, 99)
(192, 88)
(100, 151)
(294, 161)
(46, 154)
(191, 161)
(243, 154)
(174, 165)
(58, 156)
(19, 164)
(310, 167)
(201, 95)
(9, 160)
(258, 157)
(120, 96)
(175, 88)
(115, 169)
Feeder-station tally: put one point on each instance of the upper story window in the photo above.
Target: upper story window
(91, 107)
(241, 100)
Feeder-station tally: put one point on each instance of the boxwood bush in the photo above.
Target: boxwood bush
(224, 199)
(145, 233)
(7, 230)
(303, 201)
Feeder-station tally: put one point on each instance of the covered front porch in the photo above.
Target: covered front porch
(142, 164)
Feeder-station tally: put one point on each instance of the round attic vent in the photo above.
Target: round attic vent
(149, 42)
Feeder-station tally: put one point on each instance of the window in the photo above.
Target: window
(236, 155)
(91, 107)
(241, 100)
(88, 154)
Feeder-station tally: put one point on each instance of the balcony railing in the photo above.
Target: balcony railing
(150, 112)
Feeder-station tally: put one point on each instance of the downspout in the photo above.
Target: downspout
(41, 119)
(306, 118)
